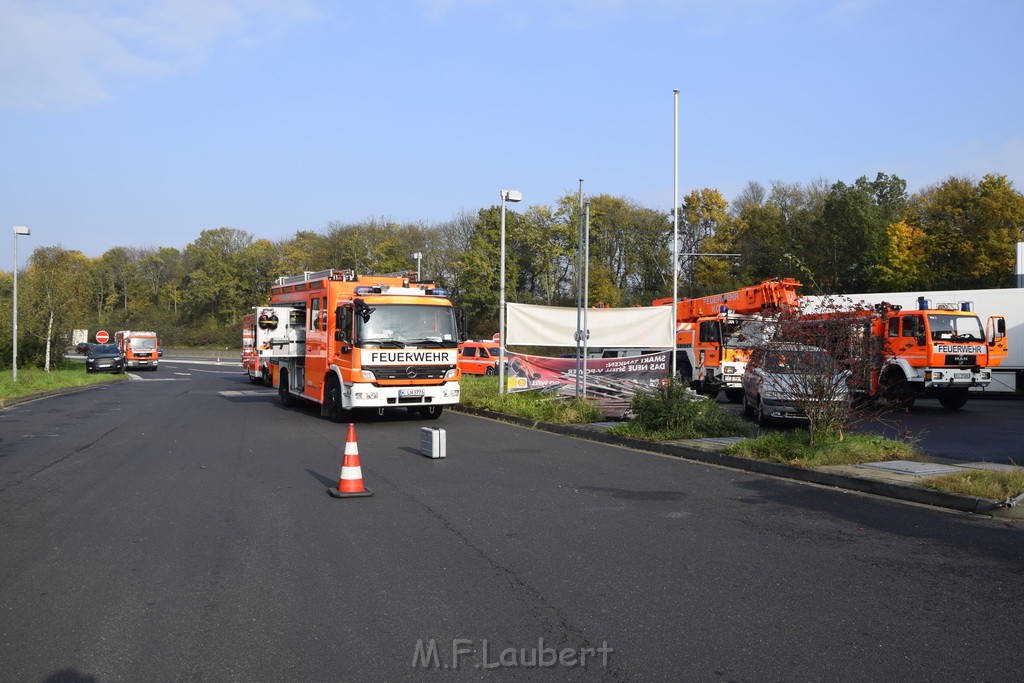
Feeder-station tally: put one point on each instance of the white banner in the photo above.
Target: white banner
(649, 326)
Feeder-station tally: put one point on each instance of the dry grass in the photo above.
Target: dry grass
(990, 484)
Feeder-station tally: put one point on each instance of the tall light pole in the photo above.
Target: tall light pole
(18, 230)
(506, 196)
(418, 256)
(675, 228)
(586, 295)
(579, 296)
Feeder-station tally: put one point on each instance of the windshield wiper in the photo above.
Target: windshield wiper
(385, 343)
(433, 343)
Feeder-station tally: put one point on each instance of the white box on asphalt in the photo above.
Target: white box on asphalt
(432, 442)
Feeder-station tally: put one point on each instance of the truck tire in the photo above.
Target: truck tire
(734, 395)
(287, 400)
(332, 400)
(896, 390)
(953, 400)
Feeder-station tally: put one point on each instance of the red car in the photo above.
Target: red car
(478, 357)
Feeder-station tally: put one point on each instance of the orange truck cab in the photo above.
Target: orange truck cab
(141, 350)
(363, 342)
(716, 334)
(941, 351)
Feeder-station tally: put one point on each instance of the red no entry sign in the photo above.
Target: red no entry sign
(102, 337)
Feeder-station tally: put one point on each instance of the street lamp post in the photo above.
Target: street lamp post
(418, 256)
(506, 196)
(18, 230)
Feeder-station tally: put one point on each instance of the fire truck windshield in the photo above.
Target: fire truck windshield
(142, 343)
(945, 327)
(408, 325)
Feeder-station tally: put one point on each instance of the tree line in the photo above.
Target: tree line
(836, 238)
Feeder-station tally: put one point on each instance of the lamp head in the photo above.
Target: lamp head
(511, 195)
(21, 230)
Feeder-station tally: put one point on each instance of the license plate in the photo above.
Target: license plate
(410, 392)
(961, 375)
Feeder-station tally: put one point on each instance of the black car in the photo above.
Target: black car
(82, 347)
(104, 358)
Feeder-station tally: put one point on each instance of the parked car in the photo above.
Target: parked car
(82, 347)
(478, 357)
(782, 379)
(104, 358)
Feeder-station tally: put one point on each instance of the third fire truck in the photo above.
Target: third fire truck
(352, 342)
(715, 334)
(939, 350)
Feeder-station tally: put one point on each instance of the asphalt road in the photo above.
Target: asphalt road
(167, 530)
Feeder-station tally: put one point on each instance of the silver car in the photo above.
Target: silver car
(783, 380)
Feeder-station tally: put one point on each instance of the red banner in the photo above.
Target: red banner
(603, 374)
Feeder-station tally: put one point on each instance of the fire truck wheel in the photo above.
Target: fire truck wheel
(953, 400)
(287, 400)
(734, 395)
(335, 409)
(896, 391)
(431, 412)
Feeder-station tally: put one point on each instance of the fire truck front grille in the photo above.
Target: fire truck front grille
(960, 359)
(385, 372)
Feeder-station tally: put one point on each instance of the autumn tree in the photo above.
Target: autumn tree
(970, 231)
(849, 237)
(55, 297)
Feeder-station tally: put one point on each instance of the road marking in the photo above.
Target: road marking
(246, 392)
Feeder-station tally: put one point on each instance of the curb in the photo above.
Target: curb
(913, 494)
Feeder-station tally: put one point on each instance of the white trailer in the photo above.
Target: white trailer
(1009, 303)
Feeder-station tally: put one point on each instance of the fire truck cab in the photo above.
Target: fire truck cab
(353, 342)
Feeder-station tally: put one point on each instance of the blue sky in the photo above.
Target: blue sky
(144, 122)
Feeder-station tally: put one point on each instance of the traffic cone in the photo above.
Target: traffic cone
(350, 484)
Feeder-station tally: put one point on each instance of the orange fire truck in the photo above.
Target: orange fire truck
(141, 350)
(352, 342)
(941, 351)
(715, 334)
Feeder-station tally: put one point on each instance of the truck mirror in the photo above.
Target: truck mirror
(463, 324)
(921, 339)
(1001, 326)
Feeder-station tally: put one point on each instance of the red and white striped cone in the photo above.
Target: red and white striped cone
(350, 483)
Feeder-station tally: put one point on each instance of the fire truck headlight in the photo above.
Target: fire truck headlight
(729, 370)
(450, 374)
(369, 376)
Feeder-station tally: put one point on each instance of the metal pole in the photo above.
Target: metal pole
(579, 290)
(14, 305)
(501, 305)
(586, 297)
(675, 229)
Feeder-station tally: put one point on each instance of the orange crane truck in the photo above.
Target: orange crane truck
(363, 342)
(715, 334)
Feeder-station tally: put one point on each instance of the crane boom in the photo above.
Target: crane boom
(770, 296)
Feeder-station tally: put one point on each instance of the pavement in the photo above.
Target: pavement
(898, 479)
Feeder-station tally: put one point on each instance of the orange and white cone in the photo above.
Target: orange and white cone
(350, 484)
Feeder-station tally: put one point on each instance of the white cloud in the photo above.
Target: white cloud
(66, 53)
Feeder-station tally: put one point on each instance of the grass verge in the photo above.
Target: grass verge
(795, 448)
(482, 393)
(36, 381)
(991, 484)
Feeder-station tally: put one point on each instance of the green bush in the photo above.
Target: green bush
(670, 412)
